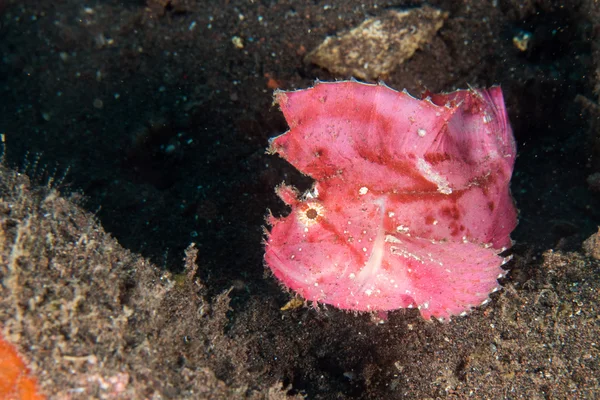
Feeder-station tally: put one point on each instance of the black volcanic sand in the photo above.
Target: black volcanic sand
(134, 129)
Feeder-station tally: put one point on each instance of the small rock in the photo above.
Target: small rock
(591, 246)
(238, 42)
(378, 45)
(593, 181)
(521, 40)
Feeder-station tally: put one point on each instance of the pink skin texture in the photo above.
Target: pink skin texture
(411, 203)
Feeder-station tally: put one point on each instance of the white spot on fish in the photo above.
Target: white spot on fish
(402, 228)
(432, 176)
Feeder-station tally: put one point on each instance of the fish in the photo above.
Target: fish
(410, 206)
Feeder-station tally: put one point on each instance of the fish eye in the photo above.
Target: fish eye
(311, 213)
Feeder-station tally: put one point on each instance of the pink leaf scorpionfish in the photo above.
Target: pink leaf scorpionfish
(411, 204)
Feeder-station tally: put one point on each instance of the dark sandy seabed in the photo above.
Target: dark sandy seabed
(162, 124)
